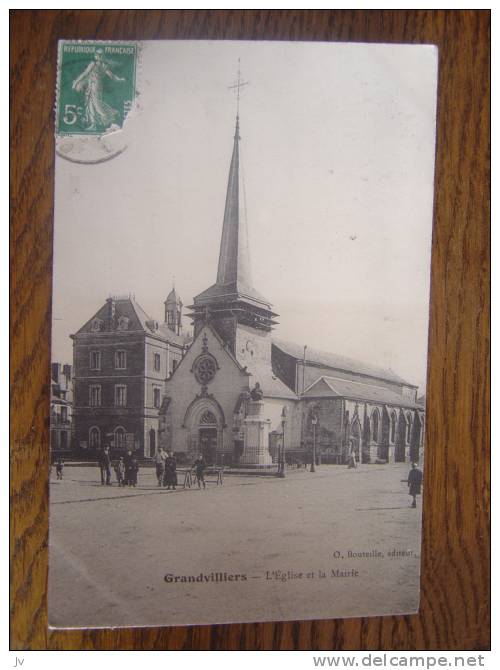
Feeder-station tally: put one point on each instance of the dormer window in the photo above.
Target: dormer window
(122, 323)
(96, 325)
(152, 325)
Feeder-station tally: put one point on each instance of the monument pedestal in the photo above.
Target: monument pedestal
(256, 437)
(370, 453)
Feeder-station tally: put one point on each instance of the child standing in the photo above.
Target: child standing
(59, 468)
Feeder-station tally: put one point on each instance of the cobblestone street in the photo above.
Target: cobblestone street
(111, 548)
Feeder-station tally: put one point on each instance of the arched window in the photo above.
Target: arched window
(94, 438)
(375, 425)
(409, 423)
(208, 419)
(119, 438)
(393, 427)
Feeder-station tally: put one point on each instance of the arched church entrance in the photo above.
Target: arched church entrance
(205, 421)
(207, 436)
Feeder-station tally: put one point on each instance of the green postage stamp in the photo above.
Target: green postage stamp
(96, 86)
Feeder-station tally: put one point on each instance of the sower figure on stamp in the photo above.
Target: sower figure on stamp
(160, 459)
(200, 467)
(415, 477)
(98, 113)
(105, 467)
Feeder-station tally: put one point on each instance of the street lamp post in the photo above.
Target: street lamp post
(281, 465)
(314, 421)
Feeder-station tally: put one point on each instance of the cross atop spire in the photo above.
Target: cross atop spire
(236, 87)
(233, 296)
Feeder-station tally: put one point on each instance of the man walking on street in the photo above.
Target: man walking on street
(160, 459)
(105, 466)
(415, 477)
(200, 466)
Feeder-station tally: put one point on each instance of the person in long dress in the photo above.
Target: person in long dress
(415, 477)
(98, 114)
(170, 477)
(129, 468)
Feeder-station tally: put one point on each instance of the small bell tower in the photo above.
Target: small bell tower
(173, 312)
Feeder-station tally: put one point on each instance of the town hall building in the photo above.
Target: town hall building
(121, 359)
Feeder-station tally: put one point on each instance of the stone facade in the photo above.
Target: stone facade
(61, 408)
(377, 432)
(121, 361)
(212, 414)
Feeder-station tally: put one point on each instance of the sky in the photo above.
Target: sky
(337, 148)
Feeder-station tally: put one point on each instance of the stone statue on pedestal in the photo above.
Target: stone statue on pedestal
(256, 393)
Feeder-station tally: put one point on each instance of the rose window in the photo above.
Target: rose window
(205, 369)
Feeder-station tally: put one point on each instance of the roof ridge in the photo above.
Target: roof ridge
(352, 364)
(352, 381)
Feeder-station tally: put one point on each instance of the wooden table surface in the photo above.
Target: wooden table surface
(454, 610)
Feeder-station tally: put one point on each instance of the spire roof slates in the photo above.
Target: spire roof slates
(234, 280)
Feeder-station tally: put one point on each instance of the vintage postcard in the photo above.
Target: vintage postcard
(242, 244)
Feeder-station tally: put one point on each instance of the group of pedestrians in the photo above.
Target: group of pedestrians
(126, 468)
(166, 470)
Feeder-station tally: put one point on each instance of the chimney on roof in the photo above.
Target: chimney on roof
(111, 308)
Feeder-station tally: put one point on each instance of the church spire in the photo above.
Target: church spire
(234, 257)
(232, 299)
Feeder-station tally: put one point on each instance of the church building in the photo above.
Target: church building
(240, 396)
